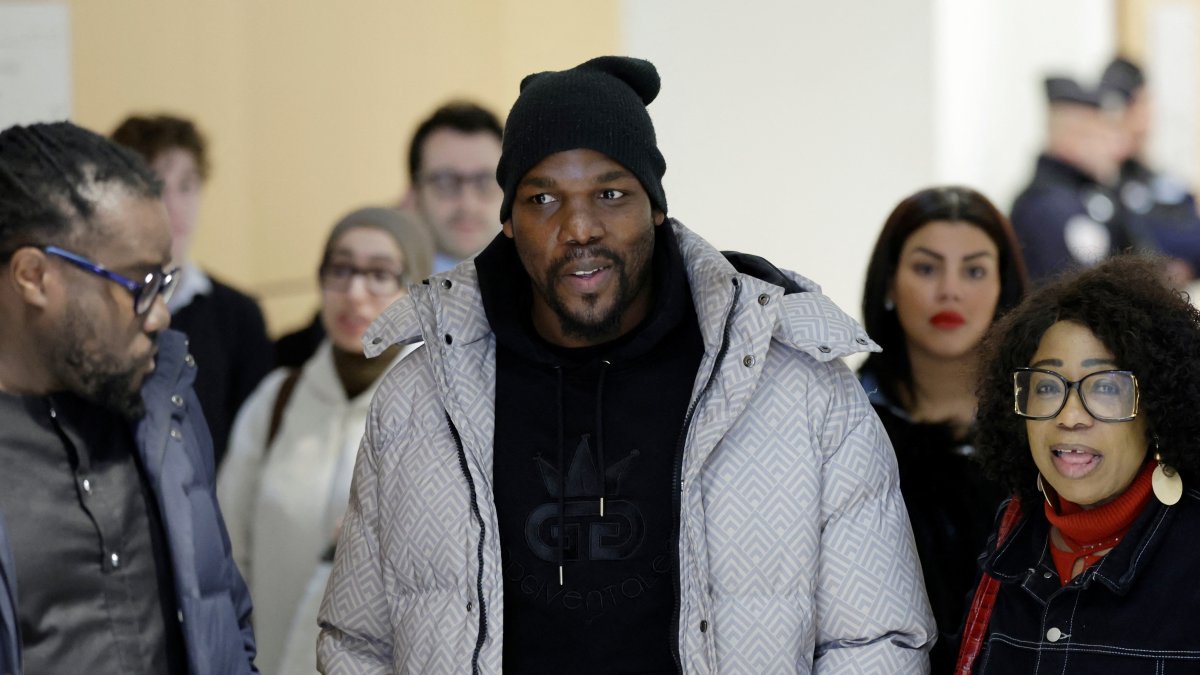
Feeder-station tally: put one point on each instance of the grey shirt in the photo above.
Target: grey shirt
(95, 592)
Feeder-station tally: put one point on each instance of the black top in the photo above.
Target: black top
(572, 426)
(228, 338)
(951, 505)
(294, 349)
(1165, 210)
(93, 569)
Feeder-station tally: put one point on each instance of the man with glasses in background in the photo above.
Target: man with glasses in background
(114, 548)
(452, 176)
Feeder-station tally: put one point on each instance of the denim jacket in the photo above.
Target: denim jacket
(1135, 611)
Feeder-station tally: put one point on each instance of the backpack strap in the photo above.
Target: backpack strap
(281, 401)
(975, 629)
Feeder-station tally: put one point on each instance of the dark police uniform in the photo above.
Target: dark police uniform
(1064, 218)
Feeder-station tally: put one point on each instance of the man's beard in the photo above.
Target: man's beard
(102, 379)
(593, 326)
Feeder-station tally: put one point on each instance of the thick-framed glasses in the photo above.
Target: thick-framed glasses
(379, 282)
(450, 184)
(154, 284)
(1107, 395)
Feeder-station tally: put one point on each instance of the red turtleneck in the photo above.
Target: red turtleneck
(1091, 533)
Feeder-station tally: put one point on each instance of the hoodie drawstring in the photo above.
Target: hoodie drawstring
(600, 435)
(562, 477)
(563, 469)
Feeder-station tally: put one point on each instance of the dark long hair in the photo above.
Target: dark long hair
(1150, 329)
(953, 204)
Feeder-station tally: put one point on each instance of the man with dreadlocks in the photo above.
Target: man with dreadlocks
(112, 548)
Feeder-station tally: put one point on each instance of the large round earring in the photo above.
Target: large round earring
(1042, 489)
(1166, 483)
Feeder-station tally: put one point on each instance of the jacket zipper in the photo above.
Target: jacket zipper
(462, 462)
(677, 477)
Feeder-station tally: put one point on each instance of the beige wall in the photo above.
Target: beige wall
(309, 105)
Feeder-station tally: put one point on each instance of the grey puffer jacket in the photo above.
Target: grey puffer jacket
(795, 552)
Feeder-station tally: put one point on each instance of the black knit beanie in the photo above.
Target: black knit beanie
(599, 105)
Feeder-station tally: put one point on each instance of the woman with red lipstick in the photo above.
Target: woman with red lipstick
(945, 266)
(1087, 414)
(284, 486)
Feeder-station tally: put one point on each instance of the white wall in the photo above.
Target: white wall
(791, 128)
(990, 60)
(1173, 75)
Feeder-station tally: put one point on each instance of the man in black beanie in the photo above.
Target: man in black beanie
(619, 451)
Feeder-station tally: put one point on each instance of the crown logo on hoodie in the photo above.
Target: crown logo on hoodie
(588, 529)
(583, 478)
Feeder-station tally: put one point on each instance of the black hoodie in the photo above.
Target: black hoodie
(613, 415)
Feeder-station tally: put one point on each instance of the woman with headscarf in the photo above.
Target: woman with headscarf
(285, 484)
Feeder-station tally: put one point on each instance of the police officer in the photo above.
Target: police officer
(1163, 206)
(1069, 215)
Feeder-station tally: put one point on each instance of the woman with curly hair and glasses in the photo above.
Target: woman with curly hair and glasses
(1087, 413)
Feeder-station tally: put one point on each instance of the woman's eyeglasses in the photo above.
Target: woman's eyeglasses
(1107, 395)
(379, 282)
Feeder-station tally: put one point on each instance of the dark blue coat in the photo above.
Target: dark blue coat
(1065, 219)
(1165, 209)
(176, 451)
(1133, 612)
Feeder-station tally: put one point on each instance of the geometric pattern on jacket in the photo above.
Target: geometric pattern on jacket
(795, 551)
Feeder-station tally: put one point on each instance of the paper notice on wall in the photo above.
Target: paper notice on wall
(35, 62)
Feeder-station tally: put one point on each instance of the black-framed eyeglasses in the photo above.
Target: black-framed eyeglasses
(154, 284)
(450, 184)
(379, 282)
(1107, 395)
